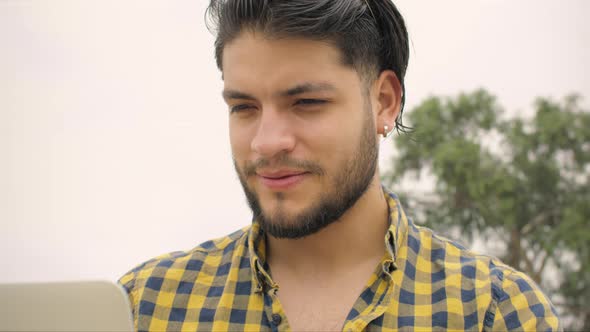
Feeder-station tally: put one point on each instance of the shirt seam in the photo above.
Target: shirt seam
(490, 315)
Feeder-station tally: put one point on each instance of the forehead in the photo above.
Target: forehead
(255, 61)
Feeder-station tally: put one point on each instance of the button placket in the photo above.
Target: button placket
(274, 311)
(276, 319)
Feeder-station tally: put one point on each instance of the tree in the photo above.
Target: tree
(522, 181)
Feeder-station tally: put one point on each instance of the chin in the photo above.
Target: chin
(282, 210)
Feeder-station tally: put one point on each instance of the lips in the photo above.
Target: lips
(279, 174)
(281, 179)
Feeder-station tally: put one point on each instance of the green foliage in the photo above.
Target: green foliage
(523, 181)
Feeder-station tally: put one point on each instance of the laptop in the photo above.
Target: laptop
(65, 306)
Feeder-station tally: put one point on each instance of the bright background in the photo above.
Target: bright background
(113, 134)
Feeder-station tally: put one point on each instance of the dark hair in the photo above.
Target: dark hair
(371, 34)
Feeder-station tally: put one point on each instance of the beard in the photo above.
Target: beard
(349, 184)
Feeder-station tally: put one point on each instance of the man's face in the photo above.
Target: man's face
(302, 131)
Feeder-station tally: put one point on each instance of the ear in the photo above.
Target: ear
(388, 96)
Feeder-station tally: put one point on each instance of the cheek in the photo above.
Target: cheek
(329, 148)
(332, 138)
(239, 140)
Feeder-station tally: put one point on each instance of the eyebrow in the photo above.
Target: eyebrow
(234, 94)
(296, 90)
(307, 87)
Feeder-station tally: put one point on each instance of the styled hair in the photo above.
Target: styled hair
(370, 34)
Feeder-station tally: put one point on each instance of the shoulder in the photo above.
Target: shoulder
(444, 254)
(211, 257)
(507, 299)
(518, 302)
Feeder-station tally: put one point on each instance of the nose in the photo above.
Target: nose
(273, 135)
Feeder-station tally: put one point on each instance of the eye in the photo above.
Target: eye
(241, 108)
(305, 102)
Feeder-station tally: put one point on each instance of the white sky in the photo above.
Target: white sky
(113, 138)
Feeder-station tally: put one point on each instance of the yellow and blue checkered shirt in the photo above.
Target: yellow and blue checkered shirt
(424, 282)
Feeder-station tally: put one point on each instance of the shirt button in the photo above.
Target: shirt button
(276, 319)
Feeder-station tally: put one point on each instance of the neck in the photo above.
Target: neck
(355, 238)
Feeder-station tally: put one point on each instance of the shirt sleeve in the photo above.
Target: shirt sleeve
(134, 281)
(518, 304)
(127, 281)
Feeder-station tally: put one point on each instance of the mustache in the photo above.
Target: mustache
(282, 161)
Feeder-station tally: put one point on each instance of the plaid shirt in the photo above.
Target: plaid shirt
(424, 282)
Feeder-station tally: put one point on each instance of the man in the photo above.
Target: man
(311, 85)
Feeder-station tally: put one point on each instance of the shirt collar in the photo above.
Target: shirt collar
(257, 250)
(398, 228)
(397, 231)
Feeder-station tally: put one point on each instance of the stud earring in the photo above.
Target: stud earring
(385, 131)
